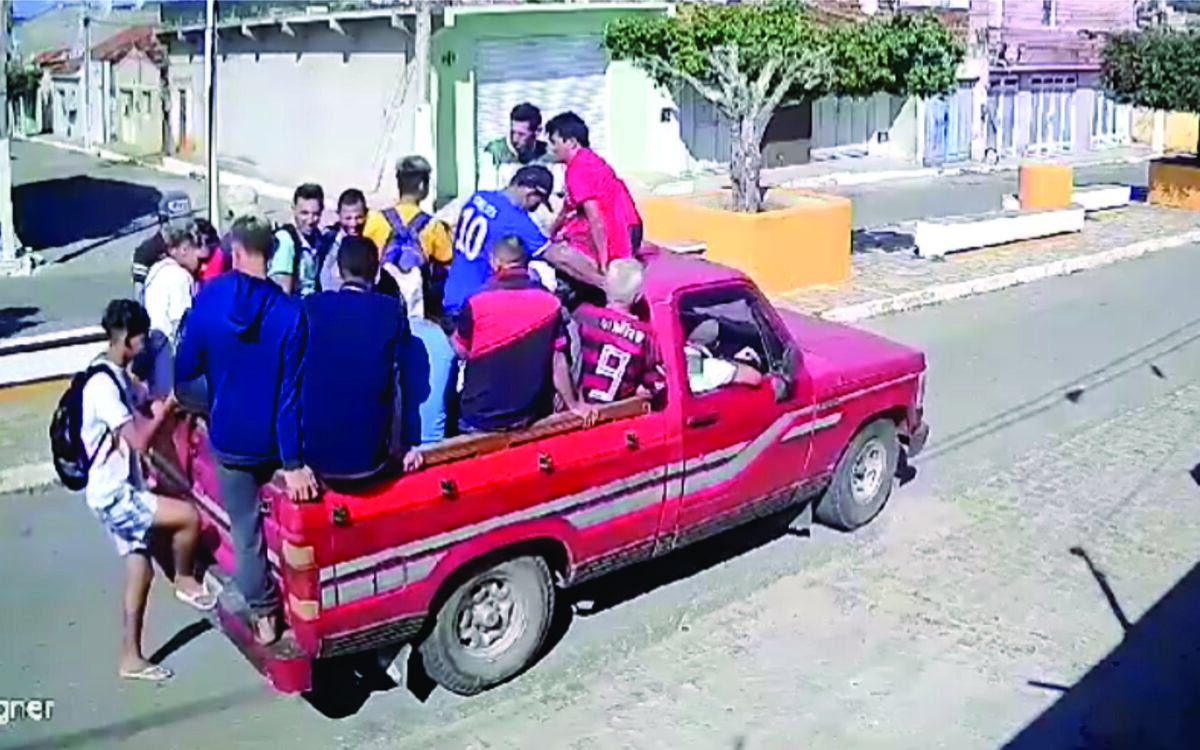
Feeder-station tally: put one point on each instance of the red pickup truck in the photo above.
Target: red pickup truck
(463, 558)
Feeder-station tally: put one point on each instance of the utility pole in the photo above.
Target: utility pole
(87, 77)
(8, 236)
(210, 92)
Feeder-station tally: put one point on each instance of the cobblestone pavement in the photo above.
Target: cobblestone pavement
(935, 633)
(879, 273)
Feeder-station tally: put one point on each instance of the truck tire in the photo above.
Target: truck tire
(491, 627)
(863, 479)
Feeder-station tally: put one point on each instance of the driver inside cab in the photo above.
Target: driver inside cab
(707, 371)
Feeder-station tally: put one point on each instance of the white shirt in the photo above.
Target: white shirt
(168, 296)
(115, 464)
(706, 372)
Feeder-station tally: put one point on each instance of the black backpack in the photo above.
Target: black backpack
(66, 444)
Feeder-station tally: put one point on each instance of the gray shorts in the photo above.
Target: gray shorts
(128, 519)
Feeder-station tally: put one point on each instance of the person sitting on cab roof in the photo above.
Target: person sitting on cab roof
(599, 221)
(356, 337)
(511, 335)
(619, 353)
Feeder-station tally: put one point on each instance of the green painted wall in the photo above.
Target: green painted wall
(630, 93)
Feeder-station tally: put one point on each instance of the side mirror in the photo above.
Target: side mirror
(784, 378)
(781, 386)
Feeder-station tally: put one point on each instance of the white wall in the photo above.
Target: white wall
(319, 107)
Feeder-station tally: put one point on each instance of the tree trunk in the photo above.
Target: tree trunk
(745, 166)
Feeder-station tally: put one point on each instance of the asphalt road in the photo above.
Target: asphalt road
(1015, 378)
(86, 216)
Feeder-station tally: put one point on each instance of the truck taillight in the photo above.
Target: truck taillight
(301, 581)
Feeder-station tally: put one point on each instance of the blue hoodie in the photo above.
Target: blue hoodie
(248, 338)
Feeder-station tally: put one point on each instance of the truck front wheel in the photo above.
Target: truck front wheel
(491, 627)
(863, 478)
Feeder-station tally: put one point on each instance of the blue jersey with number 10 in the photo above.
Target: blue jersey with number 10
(488, 217)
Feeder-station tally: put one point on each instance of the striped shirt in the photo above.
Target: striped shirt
(618, 353)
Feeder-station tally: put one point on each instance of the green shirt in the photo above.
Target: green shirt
(499, 152)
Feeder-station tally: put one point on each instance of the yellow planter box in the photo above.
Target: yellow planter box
(803, 241)
(1045, 187)
(1175, 182)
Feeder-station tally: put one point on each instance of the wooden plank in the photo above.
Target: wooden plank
(467, 446)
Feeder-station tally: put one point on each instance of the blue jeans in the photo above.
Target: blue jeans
(239, 492)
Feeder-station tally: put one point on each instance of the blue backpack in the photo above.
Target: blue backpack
(404, 249)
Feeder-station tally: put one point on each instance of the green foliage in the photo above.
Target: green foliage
(670, 47)
(906, 55)
(1158, 69)
(903, 55)
(22, 81)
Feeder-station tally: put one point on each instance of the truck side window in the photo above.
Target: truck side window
(724, 328)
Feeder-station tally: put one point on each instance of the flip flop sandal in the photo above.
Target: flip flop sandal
(151, 673)
(203, 600)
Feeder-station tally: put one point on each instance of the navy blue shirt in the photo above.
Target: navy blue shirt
(351, 393)
(247, 337)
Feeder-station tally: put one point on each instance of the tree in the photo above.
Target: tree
(748, 59)
(1156, 69)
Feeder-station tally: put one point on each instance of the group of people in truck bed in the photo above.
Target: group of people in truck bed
(338, 352)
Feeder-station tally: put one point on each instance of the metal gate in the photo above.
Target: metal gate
(1001, 115)
(1110, 122)
(948, 126)
(1052, 119)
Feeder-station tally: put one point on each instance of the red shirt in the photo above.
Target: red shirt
(591, 178)
(618, 353)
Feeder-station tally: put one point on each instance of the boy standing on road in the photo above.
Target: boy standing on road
(173, 209)
(599, 222)
(113, 428)
(168, 293)
(248, 338)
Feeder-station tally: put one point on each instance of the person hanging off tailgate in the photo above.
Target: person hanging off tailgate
(408, 238)
(599, 222)
(620, 357)
(512, 338)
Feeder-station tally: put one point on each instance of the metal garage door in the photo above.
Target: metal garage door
(555, 73)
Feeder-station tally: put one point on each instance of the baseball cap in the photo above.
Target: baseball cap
(174, 204)
(536, 177)
(413, 165)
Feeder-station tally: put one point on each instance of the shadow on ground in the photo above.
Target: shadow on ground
(881, 241)
(13, 320)
(60, 212)
(1145, 695)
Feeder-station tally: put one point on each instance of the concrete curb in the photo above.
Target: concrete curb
(849, 178)
(935, 295)
(27, 477)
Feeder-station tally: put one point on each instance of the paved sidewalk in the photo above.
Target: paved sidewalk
(888, 277)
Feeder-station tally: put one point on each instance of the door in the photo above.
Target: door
(1052, 120)
(554, 73)
(1001, 115)
(743, 451)
(127, 115)
(948, 126)
(1110, 122)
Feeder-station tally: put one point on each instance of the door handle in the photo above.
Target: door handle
(702, 420)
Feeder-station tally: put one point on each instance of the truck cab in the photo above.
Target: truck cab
(464, 557)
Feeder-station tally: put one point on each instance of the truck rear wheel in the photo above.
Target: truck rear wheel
(863, 479)
(492, 626)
